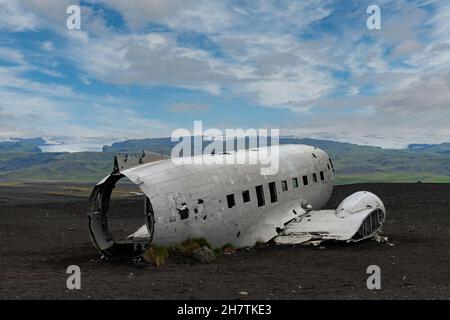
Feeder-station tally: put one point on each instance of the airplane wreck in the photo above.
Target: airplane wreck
(233, 204)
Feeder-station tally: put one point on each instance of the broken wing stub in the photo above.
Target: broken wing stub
(360, 216)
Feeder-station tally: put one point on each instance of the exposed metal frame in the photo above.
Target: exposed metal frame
(98, 210)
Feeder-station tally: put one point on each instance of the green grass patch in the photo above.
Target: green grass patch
(156, 256)
(391, 178)
(227, 248)
(191, 244)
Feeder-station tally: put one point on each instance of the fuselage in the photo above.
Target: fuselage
(232, 203)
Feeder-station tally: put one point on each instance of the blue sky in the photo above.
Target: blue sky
(141, 69)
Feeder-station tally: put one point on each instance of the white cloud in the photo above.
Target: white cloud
(286, 93)
(182, 107)
(393, 81)
(82, 127)
(12, 55)
(10, 78)
(48, 46)
(157, 59)
(50, 13)
(417, 111)
(407, 47)
(274, 71)
(441, 21)
(126, 123)
(16, 18)
(24, 114)
(198, 15)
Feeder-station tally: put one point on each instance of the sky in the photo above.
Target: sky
(140, 69)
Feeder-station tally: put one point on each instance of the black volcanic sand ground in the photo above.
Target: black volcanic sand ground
(43, 229)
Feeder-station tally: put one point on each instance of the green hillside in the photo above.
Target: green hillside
(17, 145)
(353, 163)
(81, 166)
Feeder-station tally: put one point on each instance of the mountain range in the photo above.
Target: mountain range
(23, 160)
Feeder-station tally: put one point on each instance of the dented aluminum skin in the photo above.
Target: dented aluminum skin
(190, 201)
(358, 217)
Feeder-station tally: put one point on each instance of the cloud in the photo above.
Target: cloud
(149, 59)
(188, 108)
(305, 85)
(441, 22)
(407, 47)
(32, 15)
(273, 71)
(121, 123)
(417, 112)
(318, 60)
(51, 13)
(255, 70)
(15, 18)
(12, 55)
(10, 77)
(29, 108)
(44, 116)
(48, 46)
(24, 114)
(198, 15)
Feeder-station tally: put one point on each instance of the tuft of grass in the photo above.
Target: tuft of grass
(228, 248)
(218, 252)
(156, 255)
(259, 244)
(190, 245)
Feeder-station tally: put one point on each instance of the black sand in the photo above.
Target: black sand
(43, 230)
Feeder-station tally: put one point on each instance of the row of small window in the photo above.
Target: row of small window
(272, 190)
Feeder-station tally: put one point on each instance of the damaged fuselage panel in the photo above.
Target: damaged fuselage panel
(233, 204)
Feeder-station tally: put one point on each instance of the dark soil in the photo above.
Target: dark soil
(43, 231)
